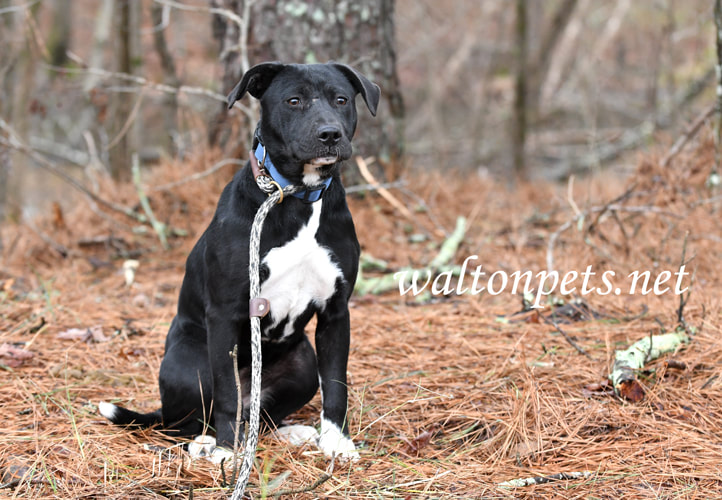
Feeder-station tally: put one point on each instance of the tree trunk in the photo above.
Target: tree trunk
(358, 33)
(519, 121)
(539, 68)
(6, 90)
(122, 102)
(170, 77)
(61, 29)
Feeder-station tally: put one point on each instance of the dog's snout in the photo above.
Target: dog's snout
(329, 135)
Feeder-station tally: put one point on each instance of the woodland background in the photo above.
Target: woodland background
(561, 134)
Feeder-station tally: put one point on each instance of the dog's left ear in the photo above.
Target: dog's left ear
(255, 81)
(368, 90)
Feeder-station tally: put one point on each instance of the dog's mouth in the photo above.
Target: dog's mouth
(317, 169)
(323, 160)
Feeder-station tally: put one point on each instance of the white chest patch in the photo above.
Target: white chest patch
(300, 272)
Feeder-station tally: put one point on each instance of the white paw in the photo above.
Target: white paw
(333, 442)
(298, 435)
(205, 447)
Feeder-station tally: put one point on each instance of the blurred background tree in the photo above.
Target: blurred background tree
(359, 33)
(571, 87)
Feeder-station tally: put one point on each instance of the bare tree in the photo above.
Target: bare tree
(6, 64)
(170, 77)
(519, 120)
(540, 62)
(359, 33)
(119, 155)
(60, 31)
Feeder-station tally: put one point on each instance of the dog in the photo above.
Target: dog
(309, 262)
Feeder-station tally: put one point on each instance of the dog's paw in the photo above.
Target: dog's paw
(333, 442)
(205, 447)
(298, 435)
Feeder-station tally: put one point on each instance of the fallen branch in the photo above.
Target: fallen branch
(566, 336)
(318, 482)
(530, 481)
(682, 140)
(385, 194)
(360, 188)
(160, 229)
(633, 359)
(380, 284)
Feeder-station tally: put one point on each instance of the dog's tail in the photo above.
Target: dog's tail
(122, 416)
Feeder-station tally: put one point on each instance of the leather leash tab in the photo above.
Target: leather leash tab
(258, 307)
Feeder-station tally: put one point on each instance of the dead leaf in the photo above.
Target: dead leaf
(414, 446)
(14, 356)
(127, 352)
(631, 390)
(94, 333)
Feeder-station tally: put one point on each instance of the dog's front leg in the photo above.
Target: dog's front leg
(332, 346)
(223, 335)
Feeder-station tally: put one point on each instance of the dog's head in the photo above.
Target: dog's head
(308, 114)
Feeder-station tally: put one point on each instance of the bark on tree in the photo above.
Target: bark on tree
(170, 77)
(359, 33)
(541, 60)
(121, 104)
(60, 31)
(6, 65)
(519, 120)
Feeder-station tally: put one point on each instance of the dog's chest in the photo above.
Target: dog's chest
(301, 273)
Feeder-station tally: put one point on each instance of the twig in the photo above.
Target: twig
(690, 132)
(239, 413)
(14, 142)
(374, 187)
(139, 80)
(571, 341)
(615, 207)
(529, 481)
(198, 175)
(318, 482)
(160, 228)
(18, 8)
(131, 118)
(210, 10)
(63, 251)
(385, 194)
(682, 299)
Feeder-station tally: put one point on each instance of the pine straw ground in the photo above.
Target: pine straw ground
(446, 399)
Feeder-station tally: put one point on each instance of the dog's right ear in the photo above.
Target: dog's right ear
(255, 81)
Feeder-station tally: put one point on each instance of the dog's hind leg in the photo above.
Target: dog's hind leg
(288, 383)
(185, 385)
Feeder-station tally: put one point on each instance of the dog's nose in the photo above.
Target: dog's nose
(329, 135)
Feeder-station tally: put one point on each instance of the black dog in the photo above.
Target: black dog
(309, 255)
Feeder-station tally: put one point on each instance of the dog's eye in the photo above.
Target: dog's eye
(341, 101)
(294, 101)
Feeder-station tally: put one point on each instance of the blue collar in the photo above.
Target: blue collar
(307, 195)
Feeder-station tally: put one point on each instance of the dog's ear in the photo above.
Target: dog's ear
(255, 81)
(368, 90)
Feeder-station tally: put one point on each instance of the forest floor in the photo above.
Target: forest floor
(448, 398)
